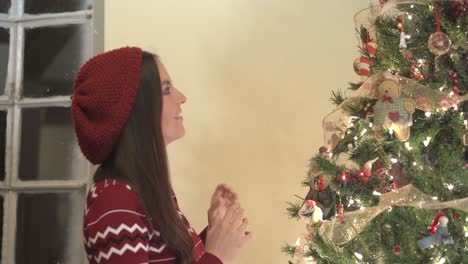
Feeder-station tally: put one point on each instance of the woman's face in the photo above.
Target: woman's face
(172, 120)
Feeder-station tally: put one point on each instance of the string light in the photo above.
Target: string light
(376, 193)
(370, 124)
(428, 114)
(363, 131)
(390, 131)
(414, 163)
(298, 242)
(435, 198)
(358, 256)
(427, 141)
(393, 160)
(407, 145)
(410, 17)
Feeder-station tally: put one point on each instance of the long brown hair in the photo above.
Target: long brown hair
(140, 160)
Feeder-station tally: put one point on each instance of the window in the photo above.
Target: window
(43, 176)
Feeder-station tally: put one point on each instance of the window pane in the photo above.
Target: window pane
(49, 228)
(5, 6)
(55, 6)
(4, 51)
(48, 147)
(52, 57)
(3, 126)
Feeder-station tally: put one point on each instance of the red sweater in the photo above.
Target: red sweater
(116, 229)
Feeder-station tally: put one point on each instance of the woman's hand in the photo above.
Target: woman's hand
(228, 234)
(222, 198)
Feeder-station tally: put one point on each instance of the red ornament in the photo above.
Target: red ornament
(456, 216)
(397, 249)
(320, 183)
(415, 73)
(458, 8)
(454, 76)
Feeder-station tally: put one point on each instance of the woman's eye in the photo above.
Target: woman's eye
(167, 91)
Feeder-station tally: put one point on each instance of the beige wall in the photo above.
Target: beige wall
(258, 75)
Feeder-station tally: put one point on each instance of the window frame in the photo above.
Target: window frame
(16, 21)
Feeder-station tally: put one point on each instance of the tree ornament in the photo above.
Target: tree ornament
(439, 43)
(341, 215)
(311, 212)
(415, 73)
(440, 237)
(402, 44)
(365, 63)
(397, 249)
(458, 8)
(392, 112)
(454, 76)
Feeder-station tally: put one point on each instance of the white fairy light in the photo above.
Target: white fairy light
(451, 93)
(363, 131)
(376, 193)
(390, 131)
(442, 88)
(358, 256)
(298, 242)
(450, 186)
(428, 114)
(370, 124)
(394, 160)
(435, 198)
(412, 6)
(355, 138)
(465, 122)
(414, 163)
(407, 145)
(410, 17)
(427, 141)
(466, 234)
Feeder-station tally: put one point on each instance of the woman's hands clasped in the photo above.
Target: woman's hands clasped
(228, 225)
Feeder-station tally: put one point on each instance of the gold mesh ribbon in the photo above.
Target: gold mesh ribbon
(341, 233)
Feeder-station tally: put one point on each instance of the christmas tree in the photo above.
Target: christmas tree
(391, 183)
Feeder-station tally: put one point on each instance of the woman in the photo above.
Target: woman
(125, 111)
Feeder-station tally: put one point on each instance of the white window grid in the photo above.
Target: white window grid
(12, 102)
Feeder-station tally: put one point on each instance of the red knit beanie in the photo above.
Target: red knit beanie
(103, 96)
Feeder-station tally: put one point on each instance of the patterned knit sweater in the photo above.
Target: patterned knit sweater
(116, 229)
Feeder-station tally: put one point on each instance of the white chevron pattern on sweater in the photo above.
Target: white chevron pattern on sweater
(120, 252)
(113, 212)
(157, 250)
(115, 231)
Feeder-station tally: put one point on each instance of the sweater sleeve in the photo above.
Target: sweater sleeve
(116, 230)
(202, 235)
(207, 258)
